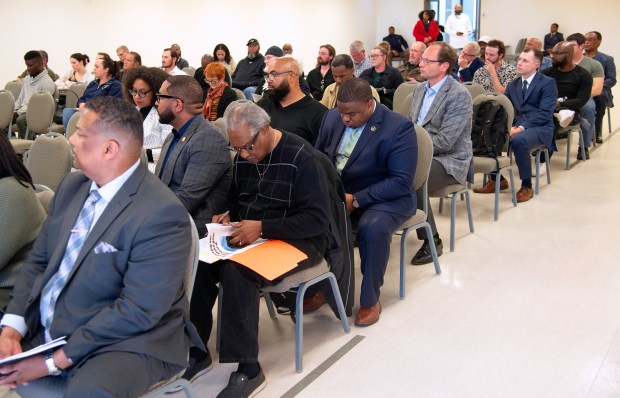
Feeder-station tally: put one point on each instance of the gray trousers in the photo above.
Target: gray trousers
(437, 179)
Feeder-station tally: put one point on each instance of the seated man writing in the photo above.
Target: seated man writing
(279, 191)
(106, 272)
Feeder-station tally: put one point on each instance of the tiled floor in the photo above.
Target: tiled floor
(528, 306)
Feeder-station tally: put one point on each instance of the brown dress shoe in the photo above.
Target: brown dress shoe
(368, 315)
(490, 187)
(525, 194)
(313, 302)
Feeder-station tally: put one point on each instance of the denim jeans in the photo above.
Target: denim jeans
(588, 116)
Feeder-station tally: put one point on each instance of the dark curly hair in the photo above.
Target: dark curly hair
(154, 77)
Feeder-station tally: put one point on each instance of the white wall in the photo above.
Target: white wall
(196, 25)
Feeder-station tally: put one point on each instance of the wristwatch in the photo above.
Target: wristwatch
(355, 203)
(52, 369)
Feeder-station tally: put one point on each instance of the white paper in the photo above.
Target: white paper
(35, 351)
(214, 246)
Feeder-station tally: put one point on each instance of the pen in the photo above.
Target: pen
(219, 220)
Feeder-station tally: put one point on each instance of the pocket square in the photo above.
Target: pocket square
(104, 247)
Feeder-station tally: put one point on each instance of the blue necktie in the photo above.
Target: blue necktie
(524, 88)
(57, 282)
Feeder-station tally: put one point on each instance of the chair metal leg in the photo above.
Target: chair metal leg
(440, 205)
(498, 179)
(219, 318)
(431, 243)
(299, 327)
(469, 215)
(336, 292)
(538, 151)
(548, 166)
(609, 119)
(569, 132)
(452, 221)
(270, 307)
(582, 146)
(403, 254)
(512, 187)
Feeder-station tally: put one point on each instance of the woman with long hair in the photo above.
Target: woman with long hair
(140, 86)
(21, 217)
(78, 72)
(105, 84)
(222, 55)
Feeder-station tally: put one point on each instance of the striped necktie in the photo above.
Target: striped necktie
(57, 282)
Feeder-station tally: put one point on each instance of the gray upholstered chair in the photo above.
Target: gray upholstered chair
(74, 92)
(72, 125)
(400, 96)
(502, 164)
(474, 89)
(190, 70)
(453, 191)
(7, 106)
(569, 132)
(15, 87)
(40, 114)
(49, 160)
(418, 220)
(240, 95)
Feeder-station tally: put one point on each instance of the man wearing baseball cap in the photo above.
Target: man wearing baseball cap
(249, 70)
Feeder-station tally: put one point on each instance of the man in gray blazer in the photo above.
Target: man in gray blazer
(106, 272)
(195, 163)
(444, 108)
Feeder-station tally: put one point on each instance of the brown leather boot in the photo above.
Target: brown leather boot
(490, 186)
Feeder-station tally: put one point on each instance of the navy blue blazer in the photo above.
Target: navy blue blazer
(467, 74)
(382, 165)
(535, 111)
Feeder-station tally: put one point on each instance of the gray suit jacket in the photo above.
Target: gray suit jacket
(128, 300)
(448, 121)
(199, 170)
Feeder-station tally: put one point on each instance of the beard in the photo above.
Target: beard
(165, 116)
(320, 62)
(558, 64)
(251, 55)
(279, 93)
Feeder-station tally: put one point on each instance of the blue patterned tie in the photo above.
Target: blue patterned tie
(57, 282)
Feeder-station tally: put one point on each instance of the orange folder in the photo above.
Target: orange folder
(271, 259)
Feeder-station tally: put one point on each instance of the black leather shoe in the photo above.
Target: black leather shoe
(424, 255)
(587, 154)
(599, 139)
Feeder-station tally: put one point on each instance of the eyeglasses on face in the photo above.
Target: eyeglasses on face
(245, 147)
(138, 93)
(427, 61)
(159, 96)
(274, 74)
(212, 81)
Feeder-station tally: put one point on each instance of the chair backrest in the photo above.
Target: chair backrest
(520, 45)
(45, 195)
(190, 70)
(239, 93)
(40, 113)
(15, 87)
(500, 99)
(72, 125)
(220, 123)
(425, 158)
(7, 105)
(400, 96)
(474, 89)
(49, 160)
(74, 92)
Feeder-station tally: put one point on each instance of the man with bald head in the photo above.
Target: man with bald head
(289, 108)
(106, 271)
(574, 82)
(534, 43)
(411, 69)
(195, 165)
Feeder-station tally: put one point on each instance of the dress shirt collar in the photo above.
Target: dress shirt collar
(110, 189)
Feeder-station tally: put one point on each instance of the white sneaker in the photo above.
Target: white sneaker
(564, 116)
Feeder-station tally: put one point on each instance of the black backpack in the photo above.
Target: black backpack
(489, 131)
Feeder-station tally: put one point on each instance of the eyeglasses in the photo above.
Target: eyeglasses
(246, 147)
(376, 55)
(212, 81)
(426, 60)
(139, 94)
(558, 52)
(467, 55)
(160, 96)
(273, 75)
